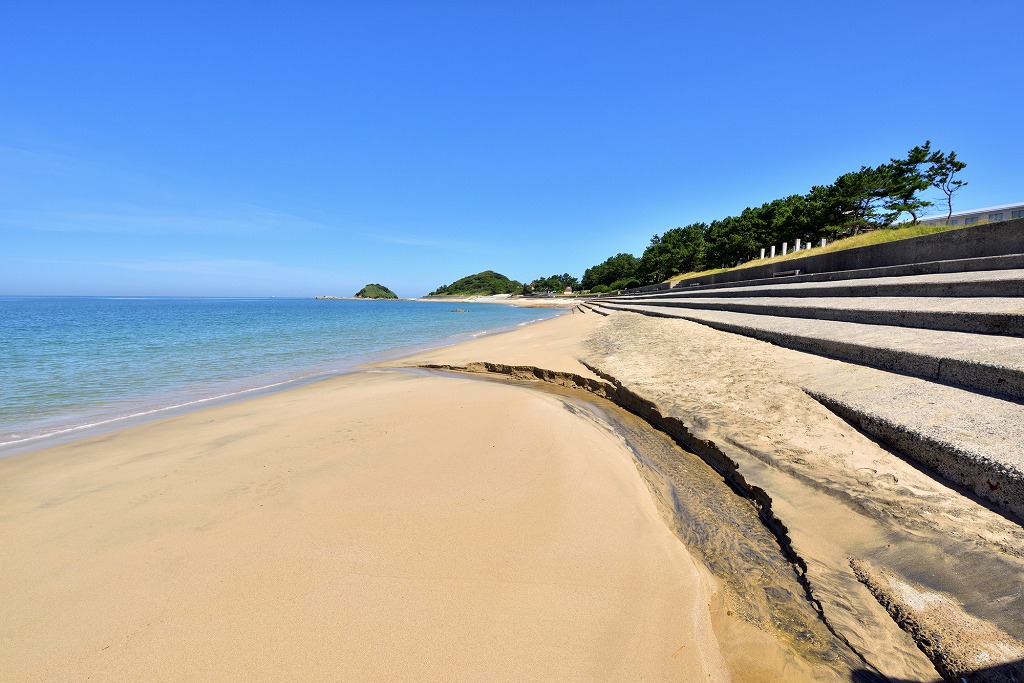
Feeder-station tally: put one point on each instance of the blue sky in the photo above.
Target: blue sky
(305, 148)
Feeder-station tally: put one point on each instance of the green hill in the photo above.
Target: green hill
(375, 292)
(481, 284)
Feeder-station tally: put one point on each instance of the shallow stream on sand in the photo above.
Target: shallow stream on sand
(768, 628)
(815, 581)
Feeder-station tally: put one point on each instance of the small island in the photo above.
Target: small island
(375, 291)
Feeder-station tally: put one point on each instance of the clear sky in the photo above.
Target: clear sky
(305, 148)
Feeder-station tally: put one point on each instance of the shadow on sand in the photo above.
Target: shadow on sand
(1010, 672)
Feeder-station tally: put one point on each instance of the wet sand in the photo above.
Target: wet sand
(382, 525)
(823, 533)
(408, 524)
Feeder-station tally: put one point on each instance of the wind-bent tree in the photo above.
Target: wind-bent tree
(907, 179)
(823, 209)
(869, 198)
(940, 176)
(862, 196)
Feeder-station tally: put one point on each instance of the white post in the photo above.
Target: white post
(762, 252)
(824, 241)
(773, 251)
(785, 248)
(797, 246)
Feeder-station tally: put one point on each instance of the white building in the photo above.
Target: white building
(991, 214)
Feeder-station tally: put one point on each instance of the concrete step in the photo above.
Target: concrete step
(985, 363)
(972, 440)
(982, 315)
(981, 284)
(1008, 262)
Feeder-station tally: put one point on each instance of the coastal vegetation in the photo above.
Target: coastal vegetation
(869, 199)
(864, 239)
(489, 283)
(552, 283)
(375, 291)
(486, 283)
(616, 270)
(856, 209)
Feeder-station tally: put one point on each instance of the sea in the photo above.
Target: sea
(71, 366)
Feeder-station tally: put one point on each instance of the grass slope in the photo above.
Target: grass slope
(862, 240)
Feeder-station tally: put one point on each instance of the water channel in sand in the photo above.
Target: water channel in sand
(808, 611)
(768, 628)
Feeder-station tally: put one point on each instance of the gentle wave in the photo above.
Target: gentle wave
(134, 416)
(75, 364)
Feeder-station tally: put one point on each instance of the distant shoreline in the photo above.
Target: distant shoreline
(506, 299)
(329, 297)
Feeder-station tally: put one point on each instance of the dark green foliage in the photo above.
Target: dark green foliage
(375, 291)
(940, 176)
(677, 251)
(624, 284)
(733, 238)
(866, 199)
(600, 289)
(908, 178)
(876, 197)
(825, 213)
(614, 268)
(861, 196)
(486, 283)
(553, 283)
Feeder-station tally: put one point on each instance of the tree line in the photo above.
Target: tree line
(489, 283)
(486, 283)
(552, 283)
(866, 199)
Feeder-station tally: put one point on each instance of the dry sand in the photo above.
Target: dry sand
(554, 345)
(840, 495)
(377, 526)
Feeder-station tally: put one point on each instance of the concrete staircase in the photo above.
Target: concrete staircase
(955, 321)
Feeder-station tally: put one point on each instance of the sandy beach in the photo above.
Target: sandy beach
(381, 525)
(515, 507)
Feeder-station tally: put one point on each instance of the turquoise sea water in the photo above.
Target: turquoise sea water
(68, 363)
